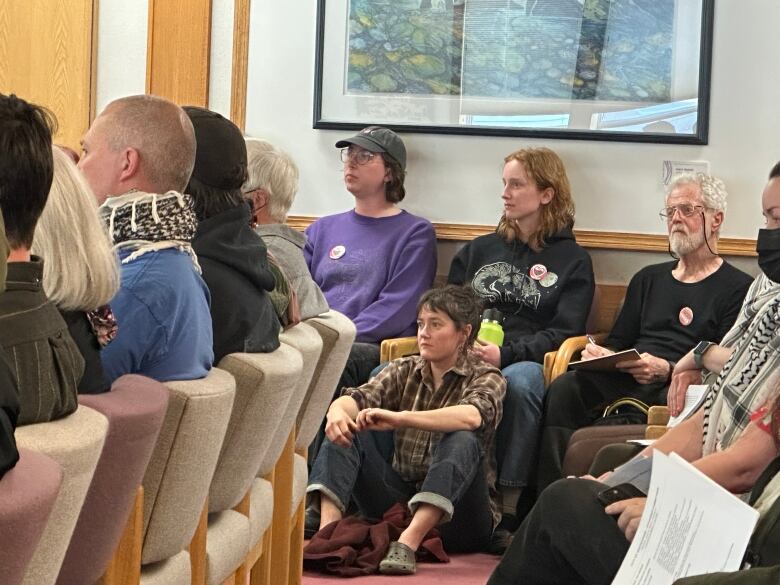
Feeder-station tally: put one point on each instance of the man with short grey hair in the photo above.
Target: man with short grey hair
(270, 188)
(668, 309)
(138, 156)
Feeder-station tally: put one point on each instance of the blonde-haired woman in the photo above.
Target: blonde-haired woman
(534, 272)
(80, 272)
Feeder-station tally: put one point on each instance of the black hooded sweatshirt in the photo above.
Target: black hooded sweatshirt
(234, 261)
(545, 296)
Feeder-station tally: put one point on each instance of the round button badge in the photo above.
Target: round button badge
(337, 252)
(686, 316)
(537, 271)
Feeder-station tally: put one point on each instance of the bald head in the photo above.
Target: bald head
(143, 142)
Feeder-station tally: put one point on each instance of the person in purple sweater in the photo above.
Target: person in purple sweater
(373, 262)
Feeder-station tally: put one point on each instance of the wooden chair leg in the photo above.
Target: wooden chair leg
(125, 566)
(296, 545)
(280, 525)
(259, 559)
(197, 548)
(261, 571)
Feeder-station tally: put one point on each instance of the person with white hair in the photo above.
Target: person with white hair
(270, 188)
(81, 272)
(668, 309)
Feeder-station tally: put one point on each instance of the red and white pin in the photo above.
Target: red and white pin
(686, 316)
(337, 252)
(537, 271)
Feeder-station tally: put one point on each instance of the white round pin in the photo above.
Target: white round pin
(337, 252)
(549, 279)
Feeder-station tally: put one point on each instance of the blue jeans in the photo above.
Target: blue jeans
(455, 483)
(518, 434)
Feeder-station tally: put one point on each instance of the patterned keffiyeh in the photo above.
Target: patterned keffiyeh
(146, 222)
(750, 377)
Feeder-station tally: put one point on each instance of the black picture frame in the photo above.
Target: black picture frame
(699, 136)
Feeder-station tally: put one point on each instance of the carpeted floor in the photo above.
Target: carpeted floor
(461, 570)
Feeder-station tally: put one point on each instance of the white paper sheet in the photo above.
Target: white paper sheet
(694, 398)
(690, 526)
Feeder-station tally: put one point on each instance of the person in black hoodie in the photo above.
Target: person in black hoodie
(233, 258)
(534, 272)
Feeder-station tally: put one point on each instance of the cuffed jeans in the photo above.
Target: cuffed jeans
(518, 433)
(455, 483)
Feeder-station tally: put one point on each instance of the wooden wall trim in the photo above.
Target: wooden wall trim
(240, 68)
(179, 50)
(47, 58)
(459, 232)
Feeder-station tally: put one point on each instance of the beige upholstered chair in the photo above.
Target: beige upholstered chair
(27, 496)
(75, 442)
(265, 382)
(338, 334)
(177, 480)
(275, 475)
(134, 408)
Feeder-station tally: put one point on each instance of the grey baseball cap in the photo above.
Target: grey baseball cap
(378, 139)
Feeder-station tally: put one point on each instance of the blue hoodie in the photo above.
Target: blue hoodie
(162, 309)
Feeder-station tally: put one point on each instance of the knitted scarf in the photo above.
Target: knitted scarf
(749, 379)
(147, 222)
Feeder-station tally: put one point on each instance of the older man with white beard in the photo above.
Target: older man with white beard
(669, 308)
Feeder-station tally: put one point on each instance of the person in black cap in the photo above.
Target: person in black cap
(233, 258)
(373, 262)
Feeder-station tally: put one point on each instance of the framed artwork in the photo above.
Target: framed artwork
(627, 70)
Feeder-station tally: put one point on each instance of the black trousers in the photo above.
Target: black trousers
(566, 539)
(576, 400)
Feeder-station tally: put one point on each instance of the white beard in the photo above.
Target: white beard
(682, 244)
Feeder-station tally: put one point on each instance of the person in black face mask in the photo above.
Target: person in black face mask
(768, 243)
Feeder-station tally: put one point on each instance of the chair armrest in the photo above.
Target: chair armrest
(392, 349)
(568, 350)
(658, 415)
(654, 432)
(549, 362)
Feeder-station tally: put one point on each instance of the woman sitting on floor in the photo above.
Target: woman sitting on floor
(443, 407)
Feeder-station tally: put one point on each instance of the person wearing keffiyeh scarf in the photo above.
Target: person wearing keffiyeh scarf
(138, 156)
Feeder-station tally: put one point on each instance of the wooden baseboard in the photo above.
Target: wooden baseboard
(593, 239)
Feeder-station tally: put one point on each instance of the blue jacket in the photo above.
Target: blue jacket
(162, 309)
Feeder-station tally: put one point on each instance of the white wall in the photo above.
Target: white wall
(121, 54)
(456, 178)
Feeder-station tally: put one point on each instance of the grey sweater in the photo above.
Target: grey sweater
(286, 245)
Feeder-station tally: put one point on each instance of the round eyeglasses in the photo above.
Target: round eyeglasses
(686, 210)
(361, 157)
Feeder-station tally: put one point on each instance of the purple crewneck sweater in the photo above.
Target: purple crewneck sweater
(373, 270)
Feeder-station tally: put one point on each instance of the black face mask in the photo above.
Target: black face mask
(768, 248)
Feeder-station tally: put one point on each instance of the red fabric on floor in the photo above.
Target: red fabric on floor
(353, 546)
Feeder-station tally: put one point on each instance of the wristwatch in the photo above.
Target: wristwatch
(699, 351)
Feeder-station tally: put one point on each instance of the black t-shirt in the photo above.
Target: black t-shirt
(666, 317)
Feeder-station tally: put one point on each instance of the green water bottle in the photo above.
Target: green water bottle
(491, 330)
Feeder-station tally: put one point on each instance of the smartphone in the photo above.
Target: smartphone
(623, 491)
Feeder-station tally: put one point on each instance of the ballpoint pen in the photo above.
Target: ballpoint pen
(590, 338)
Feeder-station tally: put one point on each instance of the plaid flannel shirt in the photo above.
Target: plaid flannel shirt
(407, 384)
